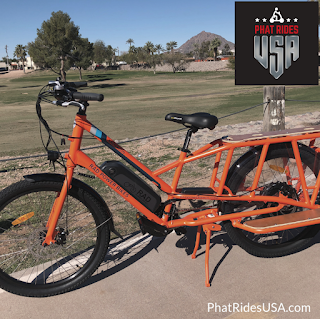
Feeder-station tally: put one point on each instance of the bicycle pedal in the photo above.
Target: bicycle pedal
(180, 231)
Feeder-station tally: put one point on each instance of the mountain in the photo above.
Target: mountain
(201, 37)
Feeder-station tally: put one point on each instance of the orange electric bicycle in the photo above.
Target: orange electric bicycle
(55, 229)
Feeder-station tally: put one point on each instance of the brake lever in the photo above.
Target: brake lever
(60, 103)
(65, 104)
(77, 104)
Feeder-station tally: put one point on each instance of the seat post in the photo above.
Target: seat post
(191, 130)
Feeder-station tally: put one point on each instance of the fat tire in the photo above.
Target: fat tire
(23, 189)
(237, 173)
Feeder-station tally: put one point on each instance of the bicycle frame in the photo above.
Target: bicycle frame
(221, 192)
(205, 218)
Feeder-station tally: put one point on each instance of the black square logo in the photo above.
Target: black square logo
(276, 43)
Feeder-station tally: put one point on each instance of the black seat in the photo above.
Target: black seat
(198, 120)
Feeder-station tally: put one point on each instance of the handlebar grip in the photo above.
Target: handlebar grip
(88, 96)
(76, 84)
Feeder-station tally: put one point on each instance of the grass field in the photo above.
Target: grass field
(135, 104)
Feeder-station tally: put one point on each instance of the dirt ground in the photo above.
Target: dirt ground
(13, 74)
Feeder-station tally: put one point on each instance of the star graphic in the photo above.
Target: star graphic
(288, 20)
(295, 19)
(264, 20)
(257, 19)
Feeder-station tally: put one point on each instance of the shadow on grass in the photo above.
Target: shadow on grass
(104, 86)
(98, 77)
(31, 86)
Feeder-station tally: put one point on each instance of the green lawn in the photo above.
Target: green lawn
(135, 104)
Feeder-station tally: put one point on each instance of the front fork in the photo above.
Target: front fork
(57, 208)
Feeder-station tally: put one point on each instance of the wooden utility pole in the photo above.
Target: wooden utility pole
(273, 111)
(6, 47)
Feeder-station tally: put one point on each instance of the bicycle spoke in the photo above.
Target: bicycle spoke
(36, 263)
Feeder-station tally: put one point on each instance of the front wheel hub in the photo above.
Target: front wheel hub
(61, 237)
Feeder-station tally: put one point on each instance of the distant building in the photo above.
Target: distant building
(28, 65)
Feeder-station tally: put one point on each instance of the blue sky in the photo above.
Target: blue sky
(115, 22)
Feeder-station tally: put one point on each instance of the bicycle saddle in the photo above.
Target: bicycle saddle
(198, 120)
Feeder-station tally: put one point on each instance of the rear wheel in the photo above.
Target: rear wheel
(27, 267)
(279, 175)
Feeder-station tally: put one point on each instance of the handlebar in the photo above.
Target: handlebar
(66, 92)
(87, 96)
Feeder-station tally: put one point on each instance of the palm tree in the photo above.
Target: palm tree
(21, 52)
(159, 48)
(149, 47)
(214, 47)
(129, 41)
(114, 50)
(171, 45)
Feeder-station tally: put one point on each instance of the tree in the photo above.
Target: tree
(204, 50)
(114, 58)
(129, 41)
(159, 48)
(140, 54)
(149, 47)
(214, 46)
(82, 54)
(231, 63)
(196, 50)
(176, 60)
(100, 51)
(171, 45)
(55, 41)
(21, 52)
(103, 53)
(110, 54)
(153, 60)
(226, 50)
(4, 59)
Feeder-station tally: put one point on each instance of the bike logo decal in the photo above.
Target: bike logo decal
(276, 43)
(96, 132)
(276, 46)
(130, 187)
(108, 180)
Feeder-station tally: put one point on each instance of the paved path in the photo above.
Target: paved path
(156, 278)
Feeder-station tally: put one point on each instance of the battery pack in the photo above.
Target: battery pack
(132, 184)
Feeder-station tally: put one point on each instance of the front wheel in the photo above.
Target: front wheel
(279, 175)
(82, 236)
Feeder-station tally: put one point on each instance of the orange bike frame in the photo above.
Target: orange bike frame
(221, 192)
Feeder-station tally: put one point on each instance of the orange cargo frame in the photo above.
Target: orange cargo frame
(206, 218)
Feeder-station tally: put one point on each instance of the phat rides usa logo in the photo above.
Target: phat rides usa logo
(276, 45)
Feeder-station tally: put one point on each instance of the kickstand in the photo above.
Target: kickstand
(207, 230)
